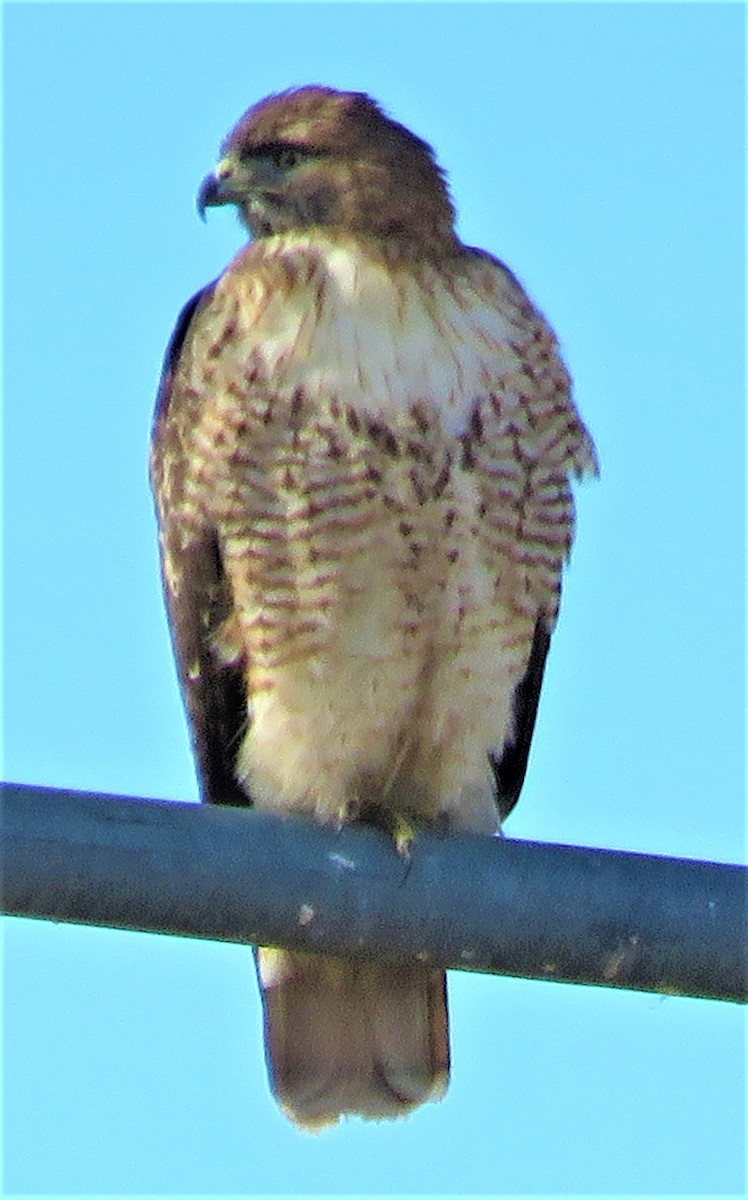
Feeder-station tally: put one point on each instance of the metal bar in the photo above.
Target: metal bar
(472, 903)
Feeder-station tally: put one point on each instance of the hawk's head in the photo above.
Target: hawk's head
(314, 156)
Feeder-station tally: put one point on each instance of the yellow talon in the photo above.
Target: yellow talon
(404, 834)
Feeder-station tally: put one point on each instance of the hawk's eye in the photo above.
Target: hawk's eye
(286, 157)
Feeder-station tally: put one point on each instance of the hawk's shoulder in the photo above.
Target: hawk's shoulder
(176, 344)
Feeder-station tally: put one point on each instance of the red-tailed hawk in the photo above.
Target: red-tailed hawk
(361, 461)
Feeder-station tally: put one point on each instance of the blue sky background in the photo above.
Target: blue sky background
(598, 149)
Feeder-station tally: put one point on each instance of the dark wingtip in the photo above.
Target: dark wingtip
(510, 768)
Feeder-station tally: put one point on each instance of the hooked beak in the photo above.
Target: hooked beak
(237, 183)
(213, 192)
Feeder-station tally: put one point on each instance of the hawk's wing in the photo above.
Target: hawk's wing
(196, 593)
(509, 769)
(510, 762)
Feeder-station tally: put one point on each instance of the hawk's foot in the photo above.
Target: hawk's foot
(403, 833)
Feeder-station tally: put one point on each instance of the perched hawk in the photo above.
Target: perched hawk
(361, 461)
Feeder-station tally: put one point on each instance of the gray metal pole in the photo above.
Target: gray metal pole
(473, 903)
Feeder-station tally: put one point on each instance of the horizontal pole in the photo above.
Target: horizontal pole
(527, 909)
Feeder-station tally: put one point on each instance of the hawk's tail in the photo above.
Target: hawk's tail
(348, 1037)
